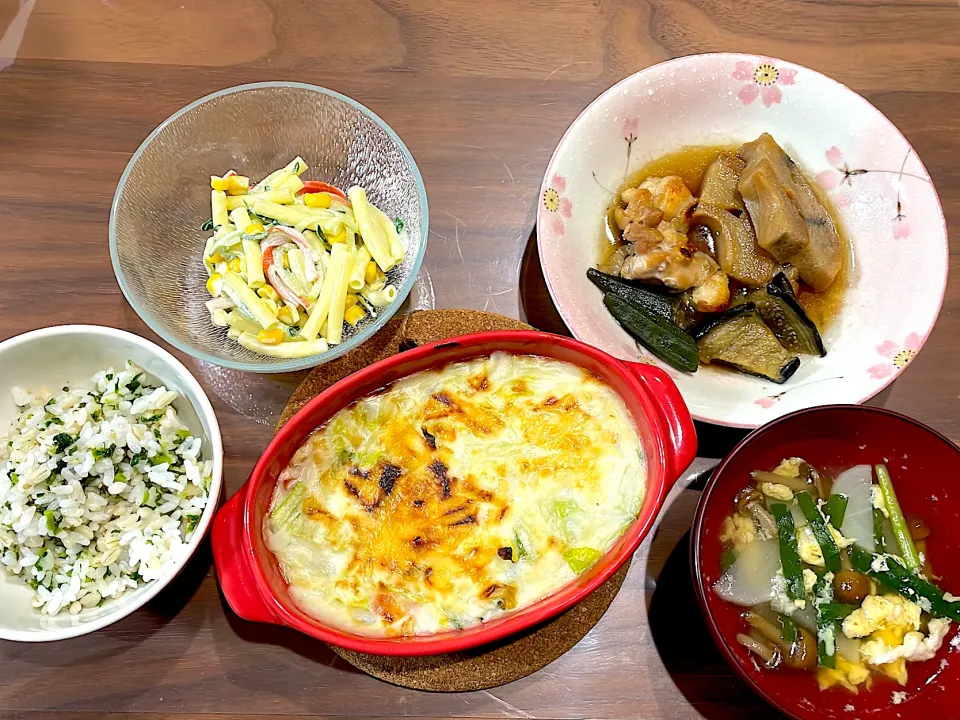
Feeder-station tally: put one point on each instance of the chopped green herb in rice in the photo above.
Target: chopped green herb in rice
(100, 489)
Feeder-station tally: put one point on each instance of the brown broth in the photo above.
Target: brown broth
(690, 163)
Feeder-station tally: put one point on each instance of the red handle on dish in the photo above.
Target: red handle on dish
(674, 412)
(233, 562)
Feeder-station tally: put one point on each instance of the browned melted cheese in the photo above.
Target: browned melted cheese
(435, 503)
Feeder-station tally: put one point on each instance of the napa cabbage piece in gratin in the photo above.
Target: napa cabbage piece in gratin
(456, 495)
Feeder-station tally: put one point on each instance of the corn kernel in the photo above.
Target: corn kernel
(288, 315)
(351, 301)
(238, 185)
(340, 237)
(215, 285)
(271, 306)
(316, 200)
(234, 265)
(254, 228)
(219, 183)
(268, 293)
(354, 315)
(370, 274)
(216, 258)
(270, 337)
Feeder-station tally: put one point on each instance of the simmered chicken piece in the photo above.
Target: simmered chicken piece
(712, 294)
(639, 211)
(662, 251)
(671, 195)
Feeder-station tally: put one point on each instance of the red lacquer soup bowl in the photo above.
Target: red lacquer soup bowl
(924, 467)
(252, 580)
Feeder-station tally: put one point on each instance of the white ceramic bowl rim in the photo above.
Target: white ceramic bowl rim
(548, 174)
(205, 410)
(300, 363)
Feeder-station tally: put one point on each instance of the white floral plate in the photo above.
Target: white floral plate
(886, 201)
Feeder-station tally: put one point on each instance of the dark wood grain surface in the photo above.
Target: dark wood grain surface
(481, 93)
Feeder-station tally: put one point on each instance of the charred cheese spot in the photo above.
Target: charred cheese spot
(452, 496)
(479, 383)
(443, 399)
(388, 478)
(504, 595)
(431, 440)
(387, 606)
(439, 471)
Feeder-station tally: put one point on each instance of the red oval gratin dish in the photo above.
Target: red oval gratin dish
(924, 466)
(251, 578)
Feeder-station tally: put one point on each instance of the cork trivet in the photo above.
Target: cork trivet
(496, 664)
(490, 665)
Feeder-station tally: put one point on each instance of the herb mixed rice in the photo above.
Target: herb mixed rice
(99, 489)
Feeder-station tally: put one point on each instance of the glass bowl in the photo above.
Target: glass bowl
(156, 241)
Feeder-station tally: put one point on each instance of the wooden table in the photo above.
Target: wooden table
(480, 92)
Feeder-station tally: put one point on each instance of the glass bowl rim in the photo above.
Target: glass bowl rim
(297, 363)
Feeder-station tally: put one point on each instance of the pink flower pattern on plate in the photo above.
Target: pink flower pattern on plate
(901, 228)
(828, 178)
(898, 356)
(555, 203)
(762, 81)
(837, 178)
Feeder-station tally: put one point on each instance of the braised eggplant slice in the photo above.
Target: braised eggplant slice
(739, 338)
(684, 312)
(787, 319)
(741, 306)
(676, 308)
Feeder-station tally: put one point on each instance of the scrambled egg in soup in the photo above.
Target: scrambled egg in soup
(456, 495)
